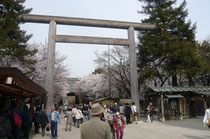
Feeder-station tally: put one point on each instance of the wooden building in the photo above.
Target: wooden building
(106, 101)
(16, 87)
(178, 102)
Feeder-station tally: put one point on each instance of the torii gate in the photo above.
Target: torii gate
(53, 38)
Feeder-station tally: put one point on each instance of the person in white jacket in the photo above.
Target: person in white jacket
(206, 117)
(78, 116)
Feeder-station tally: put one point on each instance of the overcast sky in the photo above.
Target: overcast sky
(80, 56)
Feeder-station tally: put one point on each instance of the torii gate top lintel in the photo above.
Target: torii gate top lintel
(85, 22)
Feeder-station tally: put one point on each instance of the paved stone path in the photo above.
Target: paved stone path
(143, 130)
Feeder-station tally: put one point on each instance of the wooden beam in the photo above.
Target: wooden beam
(91, 40)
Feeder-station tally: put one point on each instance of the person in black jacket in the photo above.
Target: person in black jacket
(36, 120)
(26, 121)
(128, 113)
(43, 120)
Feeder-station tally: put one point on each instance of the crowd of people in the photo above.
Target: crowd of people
(74, 115)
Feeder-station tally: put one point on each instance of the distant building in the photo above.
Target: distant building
(72, 97)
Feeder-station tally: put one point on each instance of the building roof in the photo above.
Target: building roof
(178, 89)
(72, 82)
(13, 81)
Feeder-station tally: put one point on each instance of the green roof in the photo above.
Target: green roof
(179, 89)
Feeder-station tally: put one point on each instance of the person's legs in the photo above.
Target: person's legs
(126, 118)
(78, 123)
(121, 132)
(148, 119)
(85, 119)
(74, 121)
(118, 133)
(36, 125)
(113, 135)
(112, 131)
(56, 129)
(15, 132)
(129, 118)
(26, 133)
(43, 130)
(151, 119)
(70, 127)
(52, 129)
(136, 117)
(66, 127)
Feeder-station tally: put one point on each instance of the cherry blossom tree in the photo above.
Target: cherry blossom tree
(61, 71)
(93, 85)
(115, 65)
(113, 78)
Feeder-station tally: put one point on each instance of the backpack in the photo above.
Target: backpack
(17, 120)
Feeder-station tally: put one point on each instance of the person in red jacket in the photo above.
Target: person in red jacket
(119, 124)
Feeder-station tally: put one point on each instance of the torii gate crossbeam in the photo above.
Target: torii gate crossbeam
(53, 38)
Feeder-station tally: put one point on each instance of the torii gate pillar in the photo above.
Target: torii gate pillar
(133, 68)
(49, 80)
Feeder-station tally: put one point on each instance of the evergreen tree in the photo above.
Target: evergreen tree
(168, 52)
(204, 53)
(13, 40)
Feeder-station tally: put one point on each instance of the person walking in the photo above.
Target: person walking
(148, 114)
(74, 109)
(128, 112)
(15, 113)
(119, 125)
(26, 121)
(206, 118)
(36, 119)
(115, 108)
(85, 113)
(69, 116)
(43, 120)
(95, 128)
(121, 109)
(54, 118)
(151, 111)
(78, 116)
(110, 117)
(105, 112)
(134, 112)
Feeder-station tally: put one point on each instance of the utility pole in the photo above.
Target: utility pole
(109, 70)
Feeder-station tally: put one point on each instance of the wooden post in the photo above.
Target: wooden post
(180, 109)
(205, 103)
(158, 105)
(162, 108)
